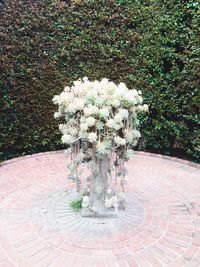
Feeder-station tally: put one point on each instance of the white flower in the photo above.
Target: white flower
(71, 108)
(66, 98)
(63, 128)
(92, 94)
(90, 121)
(131, 97)
(67, 89)
(77, 83)
(99, 125)
(84, 126)
(99, 102)
(119, 141)
(79, 104)
(118, 118)
(122, 86)
(129, 136)
(72, 131)
(57, 115)
(56, 99)
(120, 93)
(139, 99)
(83, 134)
(101, 148)
(85, 79)
(66, 138)
(79, 91)
(136, 134)
(110, 87)
(111, 123)
(124, 113)
(91, 110)
(115, 103)
(92, 137)
(145, 107)
(104, 112)
(104, 81)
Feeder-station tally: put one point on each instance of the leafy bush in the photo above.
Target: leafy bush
(152, 45)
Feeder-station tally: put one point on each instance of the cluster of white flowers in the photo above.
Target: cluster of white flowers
(99, 122)
(92, 137)
(99, 109)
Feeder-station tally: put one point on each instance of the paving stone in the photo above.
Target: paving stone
(160, 226)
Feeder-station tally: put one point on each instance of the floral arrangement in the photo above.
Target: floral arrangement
(99, 122)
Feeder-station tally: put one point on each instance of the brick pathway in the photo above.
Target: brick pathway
(160, 227)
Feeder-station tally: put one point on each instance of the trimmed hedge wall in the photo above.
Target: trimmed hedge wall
(152, 45)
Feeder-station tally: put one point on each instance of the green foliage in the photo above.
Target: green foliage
(152, 45)
(76, 205)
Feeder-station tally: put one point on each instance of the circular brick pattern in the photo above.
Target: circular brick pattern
(160, 227)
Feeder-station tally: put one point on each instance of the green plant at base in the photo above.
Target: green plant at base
(76, 205)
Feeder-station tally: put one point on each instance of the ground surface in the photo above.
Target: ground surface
(160, 227)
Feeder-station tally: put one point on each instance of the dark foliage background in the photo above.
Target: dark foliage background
(152, 45)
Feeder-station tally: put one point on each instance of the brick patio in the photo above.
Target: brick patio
(160, 227)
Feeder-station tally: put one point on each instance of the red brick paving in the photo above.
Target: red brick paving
(160, 227)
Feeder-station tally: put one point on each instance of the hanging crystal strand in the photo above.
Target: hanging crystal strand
(116, 167)
(76, 167)
(110, 168)
(92, 182)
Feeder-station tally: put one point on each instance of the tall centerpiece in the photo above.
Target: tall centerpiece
(99, 126)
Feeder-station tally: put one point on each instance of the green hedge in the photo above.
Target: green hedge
(152, 45)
